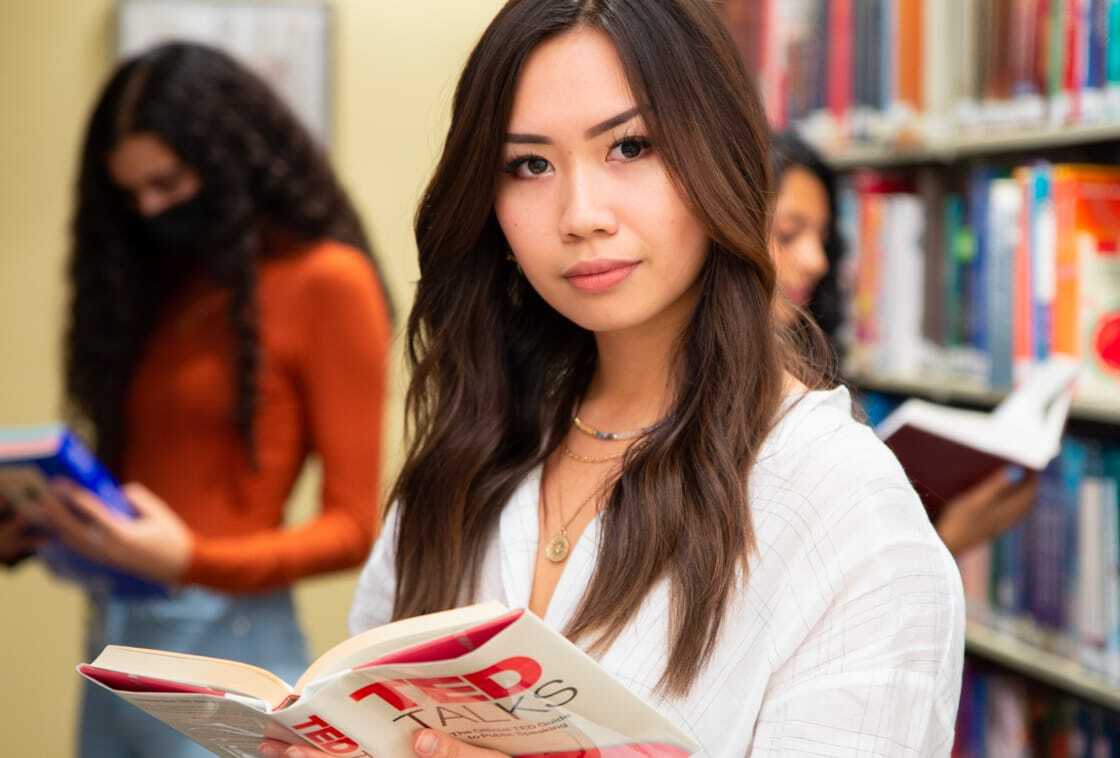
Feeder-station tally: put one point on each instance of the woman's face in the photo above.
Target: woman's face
(801, 222)
(584, 200)
(150, 172)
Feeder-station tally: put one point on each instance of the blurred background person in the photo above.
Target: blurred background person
(808, 250)
(226, 321)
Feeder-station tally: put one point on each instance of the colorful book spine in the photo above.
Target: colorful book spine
(1042, 244)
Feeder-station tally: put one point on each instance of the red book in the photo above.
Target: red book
(840, 58)
(945, 451)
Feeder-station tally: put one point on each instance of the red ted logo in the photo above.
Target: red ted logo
(503, 679)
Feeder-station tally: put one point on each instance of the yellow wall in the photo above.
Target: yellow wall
(395, 69)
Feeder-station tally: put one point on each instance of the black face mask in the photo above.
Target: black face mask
(181, 230)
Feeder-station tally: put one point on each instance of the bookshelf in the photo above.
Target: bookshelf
(1042, 664)
(981, 144)
(981, 249)
(958, 392)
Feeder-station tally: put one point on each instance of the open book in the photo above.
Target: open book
(29, 457)
(489, 676)
(945, 451)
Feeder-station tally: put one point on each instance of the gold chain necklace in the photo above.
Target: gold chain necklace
(559, 546)
(587, 458)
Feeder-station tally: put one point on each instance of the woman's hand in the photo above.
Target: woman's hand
(17, 540)
(154, 545)
(990, 507)
(426, 743)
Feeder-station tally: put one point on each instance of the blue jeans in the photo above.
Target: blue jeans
(259, 629)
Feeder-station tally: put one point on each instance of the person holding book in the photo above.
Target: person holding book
(18, 536)
(607, 429)
(227, 320)
(807, 252)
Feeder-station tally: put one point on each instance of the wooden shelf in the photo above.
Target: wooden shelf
(988, 142)
(949, 393)
(1043, 665)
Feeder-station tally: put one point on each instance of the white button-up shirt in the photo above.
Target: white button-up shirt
(847, 638)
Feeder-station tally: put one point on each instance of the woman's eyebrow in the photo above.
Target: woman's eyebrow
(611, 122)
(594, 131)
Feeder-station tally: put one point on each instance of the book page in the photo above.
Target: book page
(228, 676)
(225, 727)
(379, 641)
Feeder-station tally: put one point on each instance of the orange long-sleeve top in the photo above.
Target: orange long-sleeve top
(324, 335)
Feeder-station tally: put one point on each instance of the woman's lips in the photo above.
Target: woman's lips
(599, 275)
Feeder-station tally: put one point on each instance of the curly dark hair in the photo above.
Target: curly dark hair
(787, 150)
(262, 173)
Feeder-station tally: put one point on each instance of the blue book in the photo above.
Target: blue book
(1049, 524)
(1112, 44)
(1074, 463)
(29, 458)
(1043, 244)
(1096, 66)
(978, 190)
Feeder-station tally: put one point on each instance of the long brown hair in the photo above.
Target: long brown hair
(496, 372)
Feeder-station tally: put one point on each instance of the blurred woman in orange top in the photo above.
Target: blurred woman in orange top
(227, 321)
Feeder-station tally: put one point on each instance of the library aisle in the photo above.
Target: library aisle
(979, 204)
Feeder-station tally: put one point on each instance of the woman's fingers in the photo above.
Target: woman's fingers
(1015, 504)
(15, 541)
(987, 509)
(78, 518)
(426, 743)
(276, 749)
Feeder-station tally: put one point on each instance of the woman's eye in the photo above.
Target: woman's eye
(783, 237)
(528, 167)
(629, 148)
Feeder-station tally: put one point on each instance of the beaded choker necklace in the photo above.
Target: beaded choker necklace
(599, 434)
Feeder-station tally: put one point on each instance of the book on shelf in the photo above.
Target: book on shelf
(1004, 714)
(945, 451)
(486, 675)
(1053, 580)
(906, 72)
(29, 458)
(1005, 268)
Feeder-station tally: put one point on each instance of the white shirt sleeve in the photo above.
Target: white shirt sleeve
(373, 597)
(877, 669)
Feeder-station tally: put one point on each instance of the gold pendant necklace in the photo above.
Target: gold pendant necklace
(559, 546)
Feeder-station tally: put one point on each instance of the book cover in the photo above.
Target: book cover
(29, 458)
(945, 451)
(909, 55)
(958, 256)
(1099, 316)
(1022, 323)
(1043, 250)
(1112, 46)
(1049, 524)
(840, 30)
(488, 676)
(1074, 463)
(1086, 201)
(1004, 206)
(979, 192)
(931, 188)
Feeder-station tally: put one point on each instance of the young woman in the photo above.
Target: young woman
(606, 429)
(227, 321)
(807, 253)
